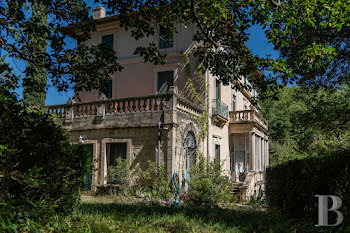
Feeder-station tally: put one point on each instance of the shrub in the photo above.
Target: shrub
(138, 181)
(40, 171)
(291, 187)
(207, 185)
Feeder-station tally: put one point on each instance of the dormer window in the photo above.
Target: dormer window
(165, 41)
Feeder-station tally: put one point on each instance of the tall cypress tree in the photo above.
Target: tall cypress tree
(34, 93)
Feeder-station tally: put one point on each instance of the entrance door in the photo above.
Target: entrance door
(88, 176)
(115, 151)
(239, 163)
(190, 144)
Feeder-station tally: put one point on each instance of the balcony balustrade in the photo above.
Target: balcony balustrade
(116, 107)
(247, 116)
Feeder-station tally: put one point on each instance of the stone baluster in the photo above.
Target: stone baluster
(150, 104)
(133, 106)
(69, 113)
(101, 106)
(144, 104)
(139, 105)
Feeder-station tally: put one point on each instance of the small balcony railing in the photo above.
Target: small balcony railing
(246, 116)
(219, 108)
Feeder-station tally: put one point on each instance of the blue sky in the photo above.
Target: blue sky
(258, 44)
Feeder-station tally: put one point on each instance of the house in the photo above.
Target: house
(148, 112)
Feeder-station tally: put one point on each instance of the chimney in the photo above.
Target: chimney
(98, 12)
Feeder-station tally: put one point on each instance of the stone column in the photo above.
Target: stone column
(259, 153)
(103, 163)
(170, 121)
(252, 151)
(263, 154)
(267, 154)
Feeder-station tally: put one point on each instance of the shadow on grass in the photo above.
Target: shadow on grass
(240, 219)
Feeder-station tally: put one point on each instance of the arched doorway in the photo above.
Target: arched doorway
(190, 156)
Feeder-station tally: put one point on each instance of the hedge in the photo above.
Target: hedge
(291, 187)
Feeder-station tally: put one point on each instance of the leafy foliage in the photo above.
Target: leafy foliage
(301, 119)
(136, 181)
(311, 36)
(207, 185)
(291, 187)
(23, 36)
(41, 172)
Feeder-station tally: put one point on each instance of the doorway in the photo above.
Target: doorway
(88, 148)
(115, 151)
(190, 156)
(239, 163)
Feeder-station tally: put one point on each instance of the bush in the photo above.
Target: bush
(41, 173)
(138, 181)
(291, 187)
(207, 185)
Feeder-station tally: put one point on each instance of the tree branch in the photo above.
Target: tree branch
(206, 34)
(277, 4)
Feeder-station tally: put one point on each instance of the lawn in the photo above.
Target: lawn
(117, 214)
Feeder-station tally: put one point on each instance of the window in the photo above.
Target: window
(116, 150)
(217, 153)
(107, 86)
(108, 40)
(233, 102)
(165, 80)
(88, 175)
(217, 89)
(165, 41)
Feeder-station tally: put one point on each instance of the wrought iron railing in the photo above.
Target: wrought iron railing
(219, 108)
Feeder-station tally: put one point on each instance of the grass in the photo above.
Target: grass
(116, 214)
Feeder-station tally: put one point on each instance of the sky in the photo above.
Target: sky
(258, 44)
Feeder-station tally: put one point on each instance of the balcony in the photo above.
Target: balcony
(143, 111)
(219, 112)
(247, 119)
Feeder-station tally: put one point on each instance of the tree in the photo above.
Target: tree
(41, 172)
(302, 120)
(34, 92)
(311, 36)
(24, 37)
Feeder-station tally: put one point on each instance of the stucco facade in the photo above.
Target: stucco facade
(237, 134)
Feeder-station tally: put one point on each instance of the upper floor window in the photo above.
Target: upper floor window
(217, 89)
(108, 40)
(233, 102)
(165, 80)
(165, 41)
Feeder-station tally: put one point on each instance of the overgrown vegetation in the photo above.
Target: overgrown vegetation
(41, 173)
(119, 214)
(207, 185)
(140, 182)
(291, 187)
(304, 122)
